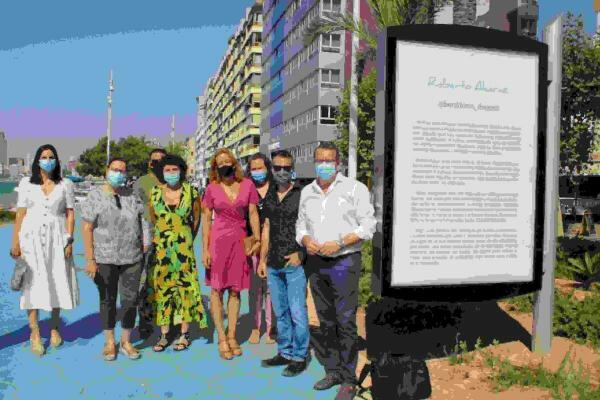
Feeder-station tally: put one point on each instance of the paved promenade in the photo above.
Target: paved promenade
(77, 371)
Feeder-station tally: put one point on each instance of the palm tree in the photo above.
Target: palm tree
(386, 13)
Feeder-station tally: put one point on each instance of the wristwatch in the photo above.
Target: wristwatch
(70, 240)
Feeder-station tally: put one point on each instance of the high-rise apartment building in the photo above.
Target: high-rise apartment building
(3, 150)
(301, 84)
(200, 168)
(518, 16)
(232, 95)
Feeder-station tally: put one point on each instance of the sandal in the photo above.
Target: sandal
(225, 351)
(55, 339)
(235, 347)
(37, 347)
(129, 351)
(109, 353)
(183, 343)
(254, 337)
(162, 344)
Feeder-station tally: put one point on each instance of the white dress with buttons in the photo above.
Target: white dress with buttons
(43, 237)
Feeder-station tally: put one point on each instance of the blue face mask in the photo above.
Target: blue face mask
(259, 176)
(115, 179)
(48, 164)
(325, 170)
(172, 178)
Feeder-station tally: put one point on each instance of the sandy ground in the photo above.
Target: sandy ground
(472, 380)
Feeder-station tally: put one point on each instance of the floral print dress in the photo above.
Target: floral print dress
(173, 286)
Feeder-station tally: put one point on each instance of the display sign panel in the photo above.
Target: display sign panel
(465, 165)
(460, 152)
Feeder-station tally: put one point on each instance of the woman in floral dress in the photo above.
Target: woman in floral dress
(174, 289)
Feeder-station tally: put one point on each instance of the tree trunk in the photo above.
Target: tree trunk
(464, 12)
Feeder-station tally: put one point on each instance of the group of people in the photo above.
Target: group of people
(290, 246)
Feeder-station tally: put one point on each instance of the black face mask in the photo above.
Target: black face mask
(226, 171)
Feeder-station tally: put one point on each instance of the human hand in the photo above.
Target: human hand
(206, 259)
(329, 248)
(91, 269)
(293, 260)
(15, 251)
(68, 251)
(145, 249)
(262, 270)
(312, 247)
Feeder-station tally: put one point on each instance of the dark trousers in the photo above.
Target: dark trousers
(145, 311)
(125, 281)
(334, 287)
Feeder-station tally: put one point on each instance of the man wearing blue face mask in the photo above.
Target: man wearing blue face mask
(334, 217)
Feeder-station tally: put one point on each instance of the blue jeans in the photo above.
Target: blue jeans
(288, 295)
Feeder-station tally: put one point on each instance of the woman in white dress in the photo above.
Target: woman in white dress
(43, 237)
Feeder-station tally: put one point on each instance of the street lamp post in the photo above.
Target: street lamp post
(353, 128)
(111, 89)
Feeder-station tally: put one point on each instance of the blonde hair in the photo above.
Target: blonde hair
(213, 175)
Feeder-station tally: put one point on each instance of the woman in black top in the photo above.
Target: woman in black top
(259, 170)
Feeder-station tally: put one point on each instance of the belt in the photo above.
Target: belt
(336, 258)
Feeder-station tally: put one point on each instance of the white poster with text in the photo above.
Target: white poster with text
(464, 165)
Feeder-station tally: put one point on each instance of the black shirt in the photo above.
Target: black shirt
(282, 222)
(271, 191)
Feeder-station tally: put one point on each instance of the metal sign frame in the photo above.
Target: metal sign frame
(454, 35)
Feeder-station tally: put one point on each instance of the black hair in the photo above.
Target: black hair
(327, 146)
(171, 159)
(114, 159)
(36, 173)
(260, 156)
(157, 150)
(283, 154)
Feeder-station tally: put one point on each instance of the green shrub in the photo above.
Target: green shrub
(566, 383)
(365, 294)
(584, 267)
(7, 216)
(578, 320)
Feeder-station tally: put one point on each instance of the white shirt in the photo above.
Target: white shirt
(345, 208)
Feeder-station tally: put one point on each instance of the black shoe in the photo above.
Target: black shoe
(277, 361)
(328, 382)
(346, 392)
(294, 368)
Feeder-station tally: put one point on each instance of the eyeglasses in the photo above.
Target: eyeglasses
(118, 201)
(277, 168)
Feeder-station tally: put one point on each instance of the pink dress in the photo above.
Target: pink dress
(229, 267)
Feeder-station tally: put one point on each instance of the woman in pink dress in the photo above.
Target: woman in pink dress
(231, 198)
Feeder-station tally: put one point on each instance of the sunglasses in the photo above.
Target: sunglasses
(277, 168)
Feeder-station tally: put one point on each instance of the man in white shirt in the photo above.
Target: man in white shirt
(334, 217)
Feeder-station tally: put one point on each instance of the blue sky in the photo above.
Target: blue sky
(55, 57)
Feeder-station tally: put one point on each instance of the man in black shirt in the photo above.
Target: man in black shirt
(281, 259)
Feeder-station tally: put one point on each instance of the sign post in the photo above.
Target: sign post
(544, 299)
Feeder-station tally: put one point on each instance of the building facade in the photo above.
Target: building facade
(232, 96)
(301, 84)
(190, 156)
(518, 16)
(200, 141)
(3, 151)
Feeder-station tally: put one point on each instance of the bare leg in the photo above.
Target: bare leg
(233, 310)
(216, 309)
(126, 347)
(162, 342)
(55, 339)
(110, 349)
(36, 339)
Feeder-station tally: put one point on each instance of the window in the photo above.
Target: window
(328, 114)
(332, 5)
(330, 78)
(331, 42)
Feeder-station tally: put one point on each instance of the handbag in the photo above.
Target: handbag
(397, 378)
(17, 282)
